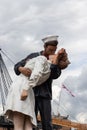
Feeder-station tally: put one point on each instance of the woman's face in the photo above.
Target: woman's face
(52, 58)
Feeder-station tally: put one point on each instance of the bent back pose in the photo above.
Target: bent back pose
(21, 89)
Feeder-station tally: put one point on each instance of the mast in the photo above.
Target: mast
(5, 81)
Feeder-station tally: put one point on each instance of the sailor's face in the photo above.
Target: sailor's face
(50, 50)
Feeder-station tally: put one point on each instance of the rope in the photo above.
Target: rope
(7, 56)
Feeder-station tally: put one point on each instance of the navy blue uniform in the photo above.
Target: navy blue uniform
(43, 92)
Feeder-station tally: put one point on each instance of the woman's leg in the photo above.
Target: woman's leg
(28, 124)
(18, 120)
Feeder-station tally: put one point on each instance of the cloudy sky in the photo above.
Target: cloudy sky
(23, 23)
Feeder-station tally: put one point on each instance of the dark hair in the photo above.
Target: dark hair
(53, 43)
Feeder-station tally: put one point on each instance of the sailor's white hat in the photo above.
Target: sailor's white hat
(49, 39)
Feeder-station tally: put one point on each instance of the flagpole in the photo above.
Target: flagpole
(59, 100)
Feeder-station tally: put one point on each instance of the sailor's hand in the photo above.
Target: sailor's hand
(25, 71)
(55, 58)
(24, 94)
(60, 53)
(63, 59)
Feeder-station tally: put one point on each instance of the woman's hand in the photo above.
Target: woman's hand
(24, 94)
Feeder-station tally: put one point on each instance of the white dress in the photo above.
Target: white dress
(40, 73)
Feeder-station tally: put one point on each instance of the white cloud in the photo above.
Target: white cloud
(82, 117)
